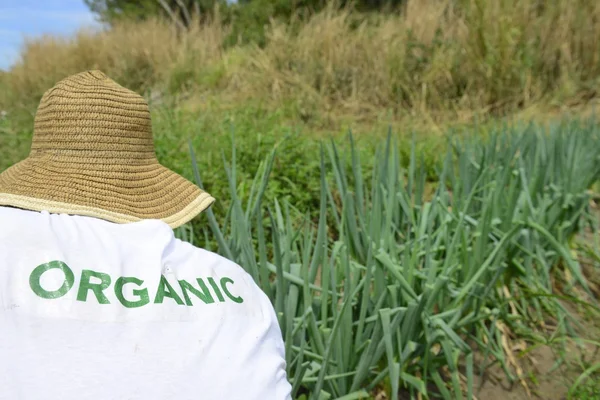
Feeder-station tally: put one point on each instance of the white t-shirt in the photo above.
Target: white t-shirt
(95, 310)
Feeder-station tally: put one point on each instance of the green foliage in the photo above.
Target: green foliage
(587, 389)
(14, 140)
(111, 11)
(248, 18)
(394, 296)
(114, 10)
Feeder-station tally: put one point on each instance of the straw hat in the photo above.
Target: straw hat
(93, 154)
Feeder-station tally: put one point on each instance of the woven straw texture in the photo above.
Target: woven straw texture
(93, 154)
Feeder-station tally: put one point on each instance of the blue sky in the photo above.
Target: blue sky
(31, 18)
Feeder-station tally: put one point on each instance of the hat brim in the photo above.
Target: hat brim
(119, 193)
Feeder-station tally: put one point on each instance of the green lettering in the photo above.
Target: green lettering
(36, 274)
(224, 282)
(85, 285)
(142, 294)
(203, 295)
(216, 289)
(166, 290)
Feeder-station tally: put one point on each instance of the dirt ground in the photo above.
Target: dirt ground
(543, 377)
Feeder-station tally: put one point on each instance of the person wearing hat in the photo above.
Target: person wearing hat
(98, 299)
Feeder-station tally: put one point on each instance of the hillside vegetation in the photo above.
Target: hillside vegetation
(434, 59)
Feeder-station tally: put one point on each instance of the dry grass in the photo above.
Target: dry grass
(139, 56)
(440, 56)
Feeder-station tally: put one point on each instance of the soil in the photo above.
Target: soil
(544, 377)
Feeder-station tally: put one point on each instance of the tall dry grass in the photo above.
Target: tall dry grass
(460, 56)
(138, 55)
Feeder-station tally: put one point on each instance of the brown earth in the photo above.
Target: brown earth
(548, 371)
(542, 377)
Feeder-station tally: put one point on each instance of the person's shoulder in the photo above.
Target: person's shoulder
(13, 220)
(192, 260)
(185, 252)
(10, 214)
